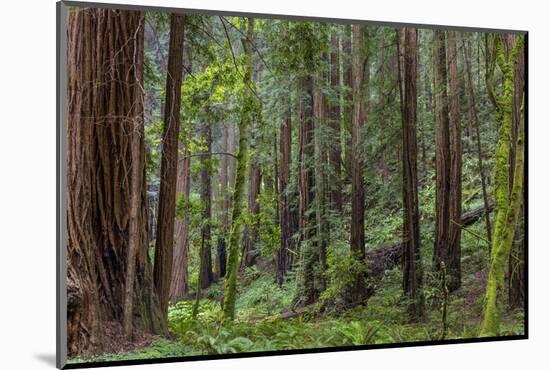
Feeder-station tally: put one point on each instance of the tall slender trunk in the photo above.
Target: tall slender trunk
(322, 194)
(179, 283)
(334, 121)
(516, 261)
(238, 194)
(306, 184)
(473, 109)
(224, 207)
(422, 126)
(287, 231)
(454, 275)
(250, 234)
(442, 154)
(411, 259)
(168, 169)
(359, 72)
(206, 273)
(348, 99)
(102, 139)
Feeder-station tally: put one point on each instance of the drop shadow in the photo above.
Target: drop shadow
(46, 358)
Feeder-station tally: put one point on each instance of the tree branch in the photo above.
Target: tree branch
(203, 154)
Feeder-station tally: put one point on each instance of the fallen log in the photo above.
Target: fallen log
(471, 217)
(383, 259)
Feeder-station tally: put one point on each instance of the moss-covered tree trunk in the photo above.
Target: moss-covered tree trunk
(230, 290)
(104, 121)
(507, 204)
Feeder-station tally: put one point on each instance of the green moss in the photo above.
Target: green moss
(507, 204)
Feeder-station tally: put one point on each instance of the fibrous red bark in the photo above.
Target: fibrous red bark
(105, 151)
(168, 171)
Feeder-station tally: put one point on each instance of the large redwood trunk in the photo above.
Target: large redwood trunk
(411, 259)
(105, 112)
(168, 171)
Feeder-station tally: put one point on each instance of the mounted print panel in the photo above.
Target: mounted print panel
(246, 185)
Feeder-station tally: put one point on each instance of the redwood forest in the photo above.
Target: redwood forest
(239, 184)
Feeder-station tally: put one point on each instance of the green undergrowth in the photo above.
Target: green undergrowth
(262, 305)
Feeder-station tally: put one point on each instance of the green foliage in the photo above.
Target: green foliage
(358, 333)
(342, 269)
(261, 296)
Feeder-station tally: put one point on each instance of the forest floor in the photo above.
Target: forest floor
(262, 322)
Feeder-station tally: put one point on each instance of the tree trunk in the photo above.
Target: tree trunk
(507, 204)
(442, 154)
(179, 283)
(454, 275)
(135, 223)
(250, 234)
(287, 231)
(100, 194)
(334, 120)
(238, 194)
(168, 171)
(411, 259)
(359, 71)
(348, 99)
(231, 163)
(516, 261)
(516, 266)
(473, 108)
(322, 194)
(224, 206)
(306, 184)
(206, 273)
